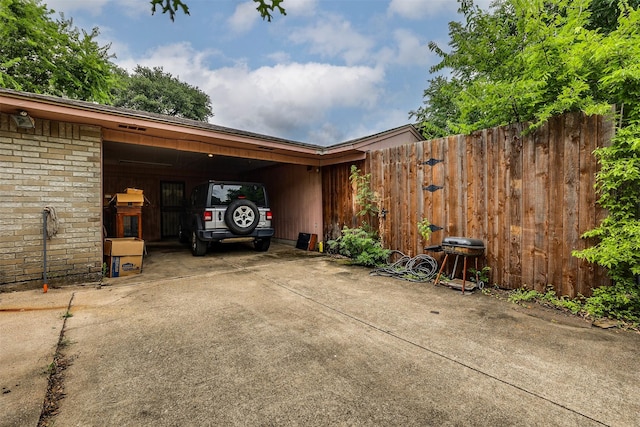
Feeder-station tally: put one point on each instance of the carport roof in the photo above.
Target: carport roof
(149, 129)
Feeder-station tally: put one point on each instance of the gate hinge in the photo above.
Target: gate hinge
(432, 188)
(432, 162)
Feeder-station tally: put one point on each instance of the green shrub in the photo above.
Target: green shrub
(523, 295)
(620, 301)
(362, 247)
(548, 298)
(617, 237)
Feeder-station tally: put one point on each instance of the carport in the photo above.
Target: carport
(167, 166)
(77, 155)
(167, 156)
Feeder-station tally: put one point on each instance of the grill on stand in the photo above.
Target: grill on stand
(461, 247)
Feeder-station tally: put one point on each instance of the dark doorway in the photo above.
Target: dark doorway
(171, 200)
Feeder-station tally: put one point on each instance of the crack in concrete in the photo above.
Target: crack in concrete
(55, 382)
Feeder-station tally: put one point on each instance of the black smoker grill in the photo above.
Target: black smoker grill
(464, 247)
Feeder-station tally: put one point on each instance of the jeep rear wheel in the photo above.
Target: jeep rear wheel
(198, 247)
(262, 245)
(242, 216)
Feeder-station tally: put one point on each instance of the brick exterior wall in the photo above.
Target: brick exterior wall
(56, 164)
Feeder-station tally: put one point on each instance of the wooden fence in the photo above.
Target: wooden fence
(528, 197)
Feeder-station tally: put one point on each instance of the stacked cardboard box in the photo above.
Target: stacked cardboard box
(131, 197)
(123, 256)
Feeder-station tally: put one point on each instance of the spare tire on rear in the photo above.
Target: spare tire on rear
(242, 216)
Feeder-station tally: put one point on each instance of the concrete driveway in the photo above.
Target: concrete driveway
(294, 338)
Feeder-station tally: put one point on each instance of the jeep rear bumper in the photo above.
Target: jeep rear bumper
(218, 235)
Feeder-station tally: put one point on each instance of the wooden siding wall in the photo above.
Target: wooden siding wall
(529, 198)
(295, 196)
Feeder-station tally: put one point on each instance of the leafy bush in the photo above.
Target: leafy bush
(620, 301)
(548, 298)
(618, 236)
(362, 247)
(424, 228)
(523, 295)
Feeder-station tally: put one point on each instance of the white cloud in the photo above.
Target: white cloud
(244, 17)
(375, 122)
(483, 4)
(273, 100)
(418, 9)
(279, 57)
(66, 6)
(410, 49)
(326, 134)
(332, 37)
(300, 7)
(96, 7)
(284, 98)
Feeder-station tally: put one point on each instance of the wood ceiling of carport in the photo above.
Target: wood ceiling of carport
(121, 155)
(206, 142)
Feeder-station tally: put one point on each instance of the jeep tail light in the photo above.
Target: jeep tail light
(269, 216)
(208, 216)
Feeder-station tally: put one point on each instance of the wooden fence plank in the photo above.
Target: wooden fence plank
(587, 199)
(493, 206)
(570, 222)
(438, 178)
(396, 215)
(414, 182)
(541, 208)
(461, 183)
(556, 180)
(405, 194)
(420, 206)
(515, 206)
(529, 203)
(504, 207)
(469, 166)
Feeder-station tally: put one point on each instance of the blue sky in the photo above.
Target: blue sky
(327, 72)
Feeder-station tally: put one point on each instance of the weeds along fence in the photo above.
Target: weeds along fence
(528, 197)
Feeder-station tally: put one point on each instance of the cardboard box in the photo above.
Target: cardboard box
(120, 266)
(126, 199)
(123, 256)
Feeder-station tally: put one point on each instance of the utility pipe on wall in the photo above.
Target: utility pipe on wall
(45, 286)
(49, 229)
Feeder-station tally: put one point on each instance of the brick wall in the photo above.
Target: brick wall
(56, 164)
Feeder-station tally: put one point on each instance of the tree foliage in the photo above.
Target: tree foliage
(156, 91)
(266, 8)
(527, 61)
(40, 55)
(604, 14)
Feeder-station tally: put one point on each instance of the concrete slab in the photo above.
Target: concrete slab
(30, 325)
(290, 338)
